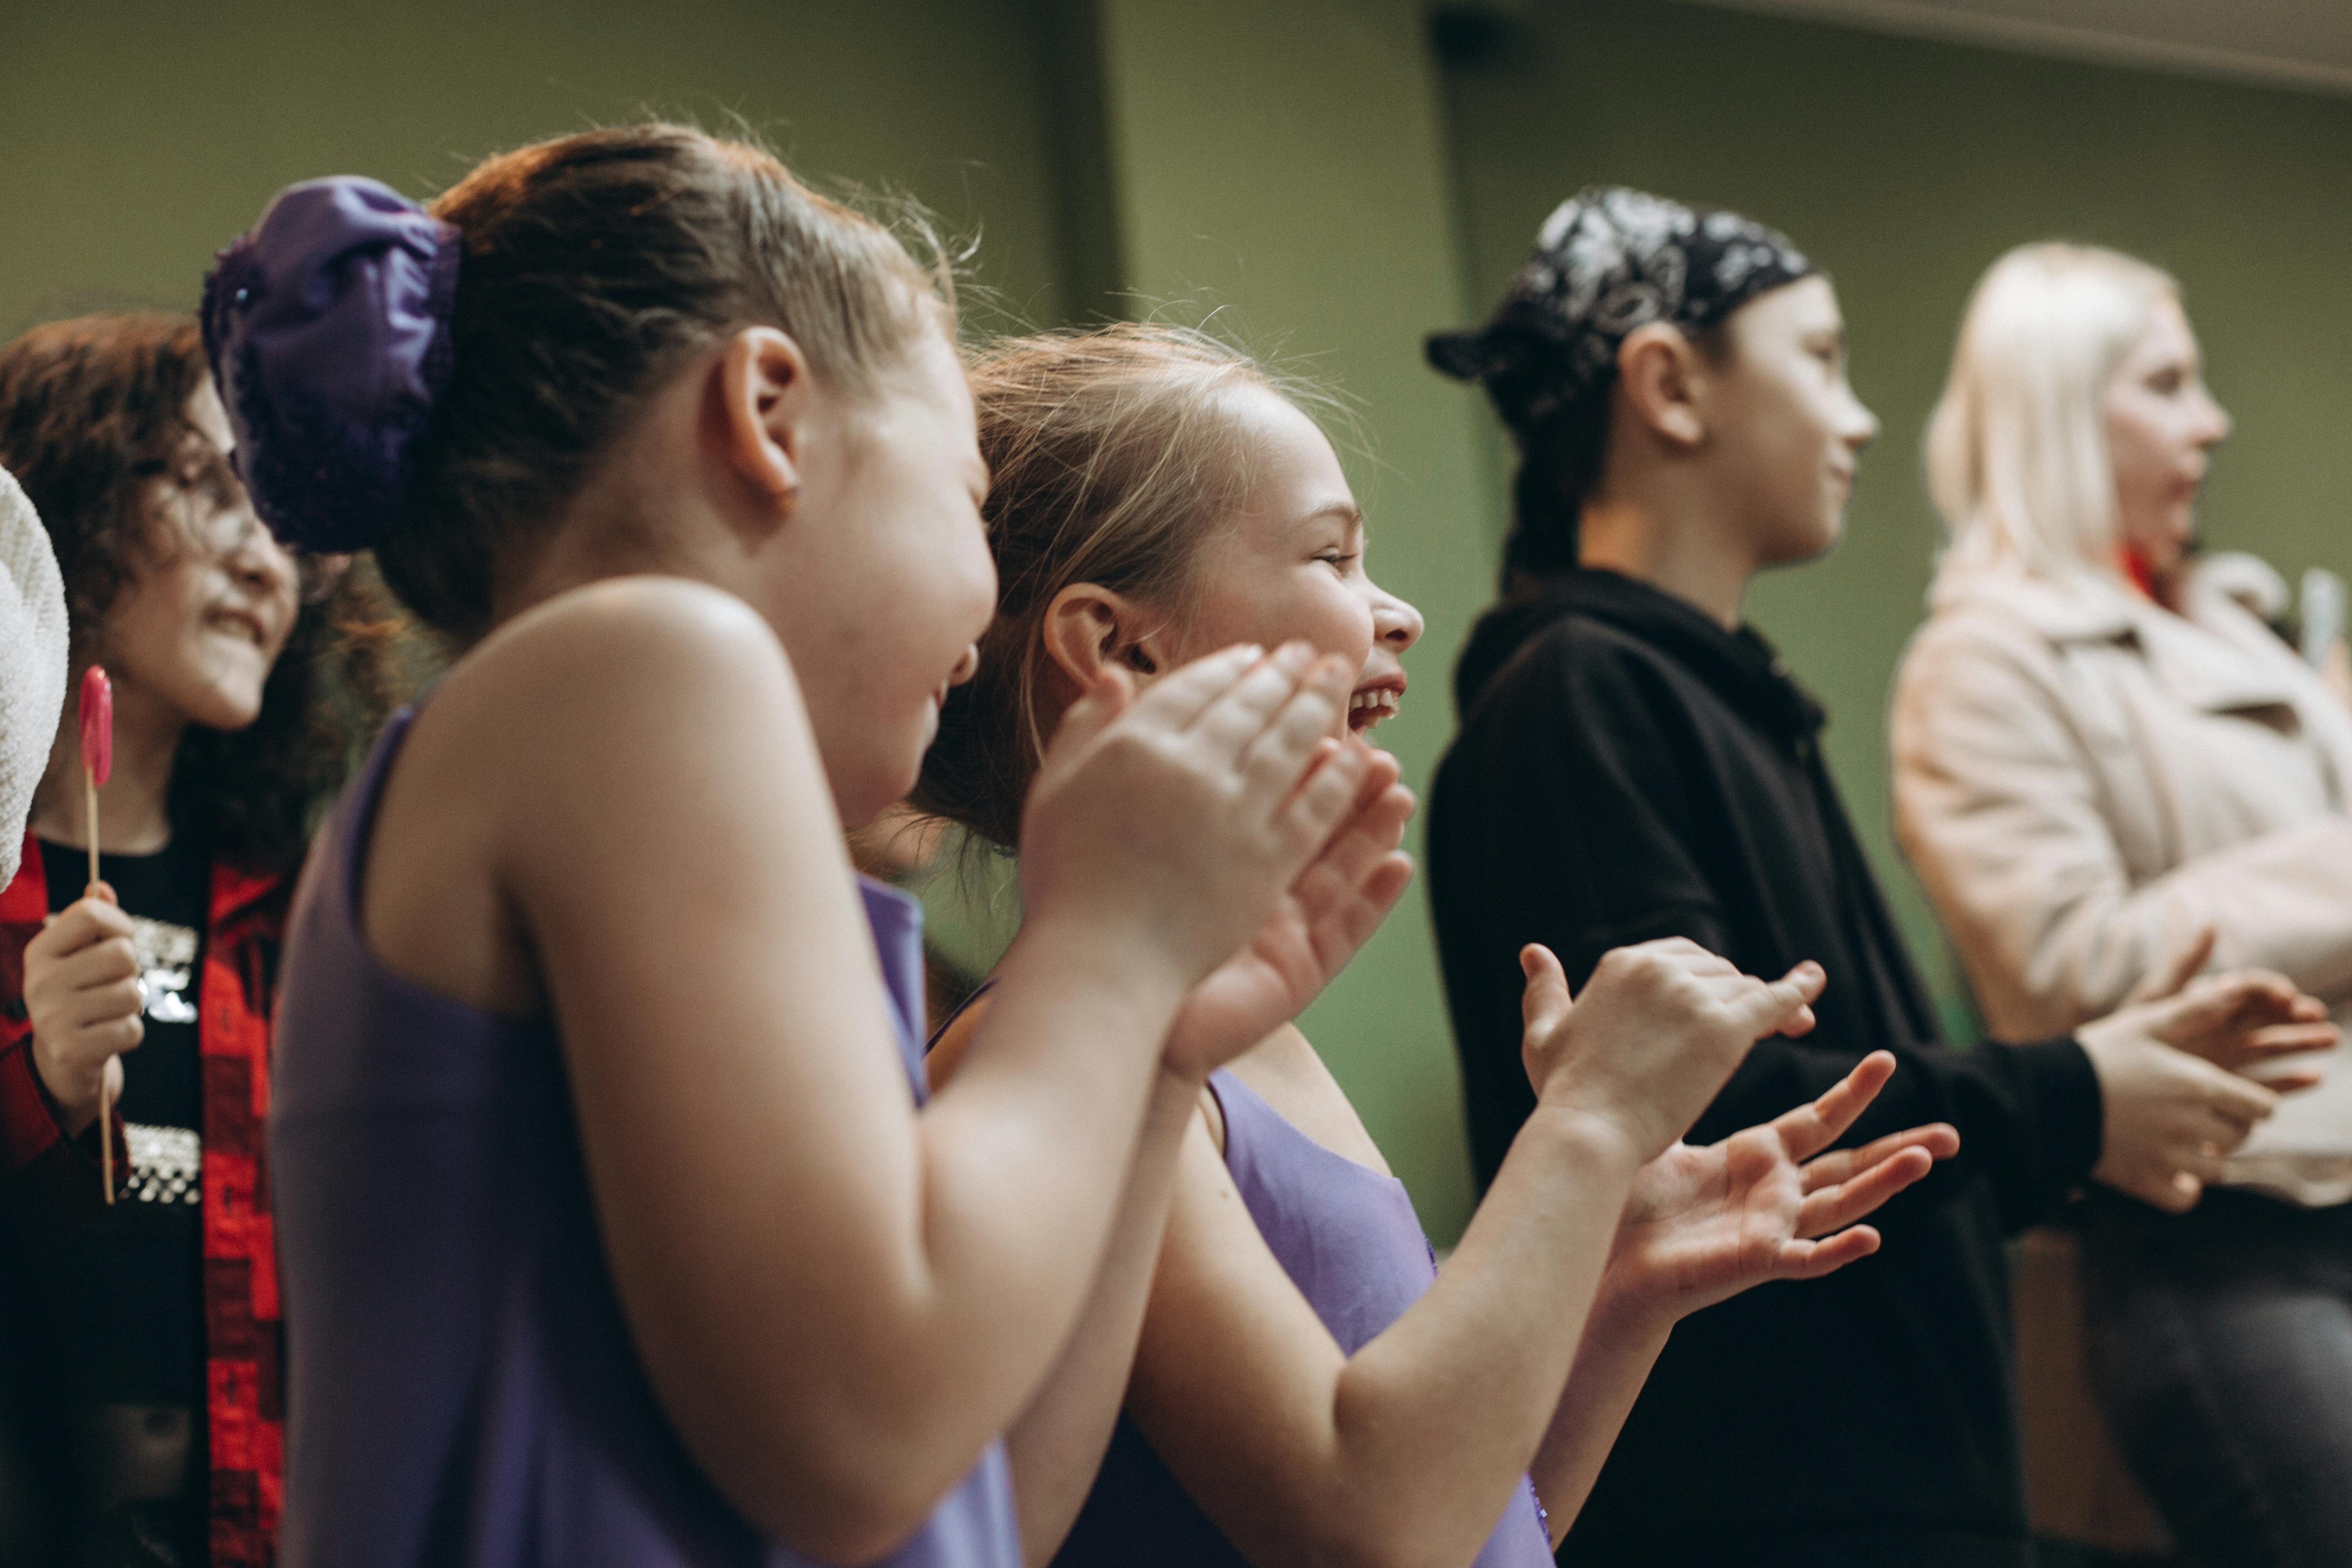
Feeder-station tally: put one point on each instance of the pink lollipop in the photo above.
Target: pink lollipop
(97, 762)
(97, 724)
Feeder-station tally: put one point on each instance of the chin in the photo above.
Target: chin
(867, 798)
(1803, 544)
(227, 713)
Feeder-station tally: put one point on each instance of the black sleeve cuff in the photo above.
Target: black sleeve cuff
(2066, 1109)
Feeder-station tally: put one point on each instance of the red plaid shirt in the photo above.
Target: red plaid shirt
(246, 1398)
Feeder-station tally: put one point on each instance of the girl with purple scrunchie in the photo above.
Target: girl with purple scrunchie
(616, 1223)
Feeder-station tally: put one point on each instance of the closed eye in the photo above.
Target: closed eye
(1338, 562)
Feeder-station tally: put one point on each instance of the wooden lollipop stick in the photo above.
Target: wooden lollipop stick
(97, 762)
(105, 1140)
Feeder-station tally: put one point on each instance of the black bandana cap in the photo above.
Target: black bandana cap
(1607, 261)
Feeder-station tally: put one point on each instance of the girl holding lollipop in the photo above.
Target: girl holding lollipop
(152, 1386)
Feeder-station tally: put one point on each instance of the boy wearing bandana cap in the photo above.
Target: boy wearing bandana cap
(1636, 763)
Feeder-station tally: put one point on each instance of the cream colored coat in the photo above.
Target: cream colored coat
(2086, 781)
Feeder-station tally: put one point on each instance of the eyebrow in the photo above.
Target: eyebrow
(1346, 511)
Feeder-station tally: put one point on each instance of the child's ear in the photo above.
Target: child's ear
(1089, 628)
(1658, 372)
(762, 395)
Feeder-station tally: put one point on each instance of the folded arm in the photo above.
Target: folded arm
(1999, 805)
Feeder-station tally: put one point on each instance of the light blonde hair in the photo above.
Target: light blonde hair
(2017, 448)
(1112, 455)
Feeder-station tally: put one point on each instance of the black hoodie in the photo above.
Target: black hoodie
(1627, 769)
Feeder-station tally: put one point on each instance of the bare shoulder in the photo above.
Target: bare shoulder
(1285, 1072)
(621, 635)
(611, 687)
(558, 741)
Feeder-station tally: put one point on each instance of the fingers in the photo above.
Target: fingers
(2248, 999)
(1809, 1128)
(103, 1003)
(82, 922)
(116, 1034)
(2293, 1081)
(1308, 820)
(1783, 1005)
(101, 963)
(2289, 1039)
(1275, 753)
(1376, 894)
(1111, 695)
(2215, 1016)
(2240, 1102)
(1178, 698)
(2184, 967)
(1940, 1139)
(1374, 829)
(1246, 707)
(1812, 1260)
(1834, 1208)
(1348, 890)
(1544, 1006)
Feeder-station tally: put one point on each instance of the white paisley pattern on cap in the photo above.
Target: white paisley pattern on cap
(1608, 262)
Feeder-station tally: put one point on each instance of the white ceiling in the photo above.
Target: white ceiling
(2304, 43)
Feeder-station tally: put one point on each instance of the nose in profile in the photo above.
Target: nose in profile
(1394, 621)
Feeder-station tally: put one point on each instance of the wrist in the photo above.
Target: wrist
(1113, 959)
(2101, 1038)
(1624, 1312)
(1626, 1328)
(1594, 1141)
(73, 1095)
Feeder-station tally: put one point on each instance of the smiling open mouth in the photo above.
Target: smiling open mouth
(237, 623)
(1365, 708)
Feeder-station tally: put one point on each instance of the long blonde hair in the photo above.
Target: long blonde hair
(2017, 448)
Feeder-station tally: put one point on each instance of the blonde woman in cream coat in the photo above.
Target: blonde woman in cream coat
(2108, 773)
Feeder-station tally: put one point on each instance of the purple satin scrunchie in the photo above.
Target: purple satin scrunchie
(328, 329)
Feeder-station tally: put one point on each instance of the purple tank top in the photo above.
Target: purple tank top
(462, 1387)
(1348, 1238)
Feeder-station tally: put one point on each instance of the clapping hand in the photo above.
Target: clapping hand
(1315, 928)
(1703, 1224)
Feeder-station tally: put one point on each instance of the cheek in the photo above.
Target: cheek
(2136, 451)
(154, 630)
(1781, 450)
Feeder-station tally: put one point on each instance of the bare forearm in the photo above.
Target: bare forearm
(1056, 1446)
(1020, 1164)
(1027, 1155)
(1610, 1366)
(1438, 1417)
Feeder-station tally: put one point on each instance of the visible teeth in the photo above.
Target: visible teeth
(1377, 704)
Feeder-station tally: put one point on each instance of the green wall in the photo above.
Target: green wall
(137, 136)
(1904, 168)
(1285, 167)
(1309, 174)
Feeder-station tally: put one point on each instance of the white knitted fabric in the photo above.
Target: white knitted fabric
(32, 662)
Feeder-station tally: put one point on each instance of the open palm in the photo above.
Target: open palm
(1315, 928)
(1703, 1224)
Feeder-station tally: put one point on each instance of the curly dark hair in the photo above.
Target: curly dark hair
(93, 412)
